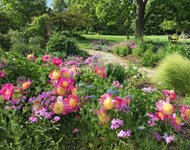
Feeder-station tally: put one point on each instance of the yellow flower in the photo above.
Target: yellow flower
(74, 91)
(61, 91)
(25, 85)
(168, 109)
(73, 102)
(108, 104)
(56, 75)
(187, 112)
(58, 108)
(65, 84)
(177, 121)
(66, 75)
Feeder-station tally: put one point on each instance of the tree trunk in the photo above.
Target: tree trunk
(140, 10)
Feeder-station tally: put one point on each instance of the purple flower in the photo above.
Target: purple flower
(120, 122)
(159, 137)
(52, 98)
(152, 124)
(124, 133)
(56, 118)
(31, 99)
(114, 126)
(18, 107)
(168, 139)
(32, 119)
(149, 122)
(6, 107)
(47, 102)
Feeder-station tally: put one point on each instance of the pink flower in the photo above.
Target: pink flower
(46, 57)
(100, 72)
(74, 102)
(75, 130)
(66, 83)
(101, 137)
(166, 92)
(1, 74)
(161, 116)
(185, 111)
(31, 57)
(57, 61)
(60, 106)
(172, 96)
(78, 116)
(96, 111)
(176, 121)
(26, 85)
(168, 139)
(7, 91)
(165, 107)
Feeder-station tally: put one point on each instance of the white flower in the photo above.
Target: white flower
(134, 76)
(165, 135)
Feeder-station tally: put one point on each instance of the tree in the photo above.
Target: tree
(59, 5)
(112, 10)
(72, 19)
(22, 11)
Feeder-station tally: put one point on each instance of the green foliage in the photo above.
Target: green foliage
(117, 72)
(182, 49)
(124, 50)
(21, 12)
(40, 26)
(5, 42)
(150, 59)
(174, 70)
(61, 43)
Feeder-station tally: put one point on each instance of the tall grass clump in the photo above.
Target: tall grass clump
(174, 70)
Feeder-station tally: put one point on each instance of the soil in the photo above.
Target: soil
(132, 58)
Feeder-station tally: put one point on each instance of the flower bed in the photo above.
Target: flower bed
(75, 108)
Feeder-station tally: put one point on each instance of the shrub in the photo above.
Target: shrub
(61, 43)
(5, 42)
(182, 49)
(150, 59)
(122, 51)
(174, 70)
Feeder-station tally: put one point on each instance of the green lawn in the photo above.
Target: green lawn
(85, 44)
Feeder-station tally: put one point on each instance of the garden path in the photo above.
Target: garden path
(110, 58)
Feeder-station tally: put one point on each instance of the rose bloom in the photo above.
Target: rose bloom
(7, 91)
(57, 61)
(31, 57)
(2, 74)
(26, 85)
(100, 71)
(46, 57)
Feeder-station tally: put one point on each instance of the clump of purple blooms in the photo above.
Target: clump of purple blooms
(116, 123)
(97, 44)
(129, 44)
(148, 89)
(124, 133)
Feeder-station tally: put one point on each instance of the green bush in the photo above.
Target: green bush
(37, 40)
(182, 49)
(5, 42)
(174, 70)
(116, 49)
(61, 43)
(124, 50)
(150, 59)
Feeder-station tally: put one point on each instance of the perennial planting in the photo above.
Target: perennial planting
(82, 107)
